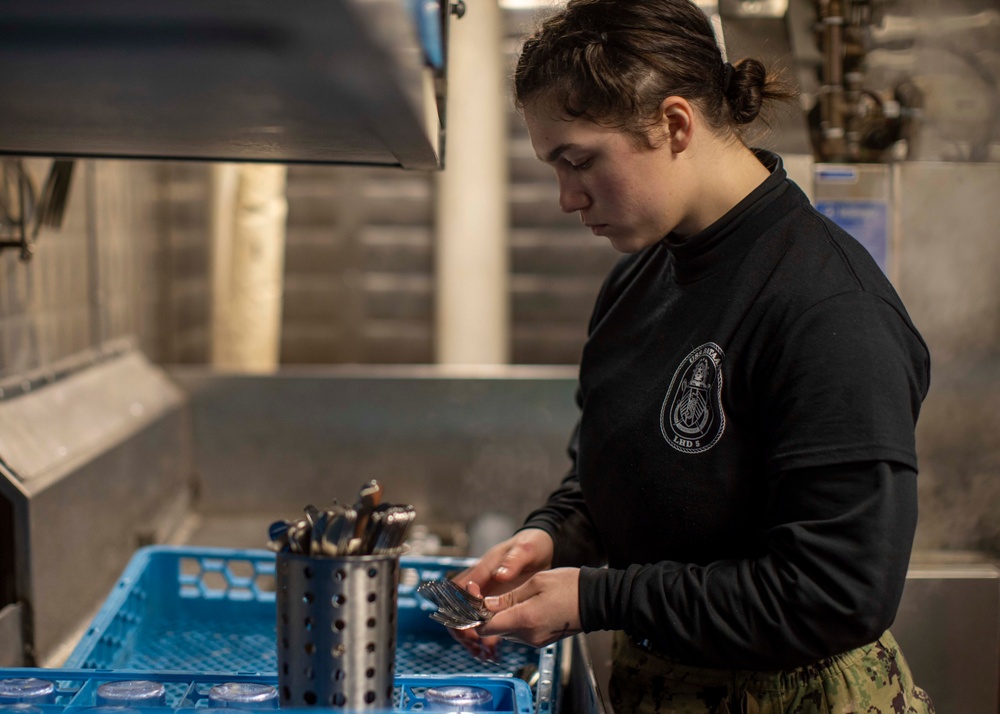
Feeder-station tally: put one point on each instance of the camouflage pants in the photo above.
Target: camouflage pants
(873, 679)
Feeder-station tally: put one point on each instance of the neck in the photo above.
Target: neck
(713, 191)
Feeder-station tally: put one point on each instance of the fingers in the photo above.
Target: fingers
(488, 650)
(527, 552)
(480, 574)
(514, 561)
(507, 620)
(510, 563)
(543, 610)
(498, 574)
(484, 649)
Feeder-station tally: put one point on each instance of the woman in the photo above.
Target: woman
(744, 462)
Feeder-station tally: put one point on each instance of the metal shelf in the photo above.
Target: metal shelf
(338, 81)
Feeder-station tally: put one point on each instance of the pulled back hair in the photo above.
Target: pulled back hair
(614, 61)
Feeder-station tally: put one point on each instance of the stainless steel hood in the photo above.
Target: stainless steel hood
(328, 81)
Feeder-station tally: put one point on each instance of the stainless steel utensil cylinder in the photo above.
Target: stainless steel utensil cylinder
(336, 625)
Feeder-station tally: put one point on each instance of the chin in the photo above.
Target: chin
(630, 244)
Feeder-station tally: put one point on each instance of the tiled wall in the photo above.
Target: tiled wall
(359, 265)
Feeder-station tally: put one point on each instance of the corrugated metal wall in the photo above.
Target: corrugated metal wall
(92, 282)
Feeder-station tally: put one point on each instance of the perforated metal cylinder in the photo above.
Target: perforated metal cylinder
(336, 625)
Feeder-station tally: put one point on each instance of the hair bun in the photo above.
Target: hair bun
(745, 90)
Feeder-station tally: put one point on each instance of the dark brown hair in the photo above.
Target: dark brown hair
(614, 61)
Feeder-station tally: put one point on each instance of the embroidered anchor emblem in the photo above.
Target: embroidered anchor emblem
(691, 418)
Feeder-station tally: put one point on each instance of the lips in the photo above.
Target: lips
(597, 228)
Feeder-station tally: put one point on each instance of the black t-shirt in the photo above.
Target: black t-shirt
(745, 456)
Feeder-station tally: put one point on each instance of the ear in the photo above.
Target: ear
(676, 124)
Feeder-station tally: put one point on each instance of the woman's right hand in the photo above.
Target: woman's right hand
(502, 568)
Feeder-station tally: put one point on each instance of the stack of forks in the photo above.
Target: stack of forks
(456, 608)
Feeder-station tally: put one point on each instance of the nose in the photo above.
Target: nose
(572, 197)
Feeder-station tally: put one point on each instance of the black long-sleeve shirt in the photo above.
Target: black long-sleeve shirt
(745, 458)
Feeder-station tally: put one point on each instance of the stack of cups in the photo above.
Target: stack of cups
(458, 699)
(27, 690)
(336, 625)
(136, 692)
(243, 695)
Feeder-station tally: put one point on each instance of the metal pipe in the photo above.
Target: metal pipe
(248, 261)
(472, 312)
(832, 90)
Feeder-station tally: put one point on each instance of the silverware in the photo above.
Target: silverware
(388, 527)
(277, 534)
(370, 527)
(299, 535)
(319, 522)
(369, 498)
(340, 530)
(456, 608)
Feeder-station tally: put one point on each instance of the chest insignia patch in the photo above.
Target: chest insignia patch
(691, 418)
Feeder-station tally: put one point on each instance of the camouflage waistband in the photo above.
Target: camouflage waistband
(780, 679)
(874, 679)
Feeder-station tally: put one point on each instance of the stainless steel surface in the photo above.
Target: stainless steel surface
(66, 420)
(946, 223)
(452, 443)
(753, 8)
(587, 684)
(11, 636)
(108, 479)
(766, 36)
(341, 81)
(948, 627)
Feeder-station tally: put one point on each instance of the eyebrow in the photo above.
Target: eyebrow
(556, 153)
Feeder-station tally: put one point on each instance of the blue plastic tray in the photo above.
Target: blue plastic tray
(197, 609)
(76, 689)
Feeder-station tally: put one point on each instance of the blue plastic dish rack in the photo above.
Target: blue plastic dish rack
(76, 690)
(198, 609)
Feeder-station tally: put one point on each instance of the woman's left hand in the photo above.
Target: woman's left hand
(541, 611)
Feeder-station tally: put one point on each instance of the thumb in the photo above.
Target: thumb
(504, 601)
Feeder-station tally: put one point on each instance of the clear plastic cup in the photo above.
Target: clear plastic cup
(457, 698)
(243, 695)
(29, 690)
(140, 692)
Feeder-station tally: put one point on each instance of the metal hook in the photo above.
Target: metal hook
(458, 9)
(25, 199)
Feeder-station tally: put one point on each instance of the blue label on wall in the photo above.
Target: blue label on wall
(867, 221)
(837, 174)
